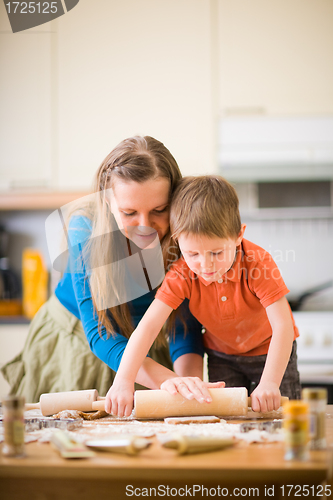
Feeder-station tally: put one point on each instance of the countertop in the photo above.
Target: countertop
(37, 200)
(44, 474)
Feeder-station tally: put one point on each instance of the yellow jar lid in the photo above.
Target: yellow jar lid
(295, 407)
(314, 393)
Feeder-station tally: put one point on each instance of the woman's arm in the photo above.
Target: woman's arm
(141, 340)
(119, 399)
(189, 365)
(186, 349)
(266, 396)
(76, 296)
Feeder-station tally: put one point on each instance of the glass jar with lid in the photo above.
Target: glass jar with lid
(296, 430)
(13, 423)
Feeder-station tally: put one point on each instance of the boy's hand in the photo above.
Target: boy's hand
(119, 399)
(191, 388)
(266, 397)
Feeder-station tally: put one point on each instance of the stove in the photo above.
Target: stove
(315, 349)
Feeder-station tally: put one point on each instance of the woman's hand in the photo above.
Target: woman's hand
(119, 399)
(266, 397)
(191, 388)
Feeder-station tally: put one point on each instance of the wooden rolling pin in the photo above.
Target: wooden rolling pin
(160, 404)
(52, 403)
(157, 404)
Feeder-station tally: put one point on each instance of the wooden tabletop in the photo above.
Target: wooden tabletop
(260, 466)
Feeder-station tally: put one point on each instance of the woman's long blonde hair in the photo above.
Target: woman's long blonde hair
(135, 159)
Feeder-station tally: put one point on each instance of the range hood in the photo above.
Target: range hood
(276, 148)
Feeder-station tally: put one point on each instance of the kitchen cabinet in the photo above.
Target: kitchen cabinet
(26, 142)
(38, 200)
(275, 58)
(12, 339)
(128, 68)
(75, 87)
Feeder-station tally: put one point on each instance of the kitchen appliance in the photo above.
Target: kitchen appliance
(315, 349)
(266, 148)
(297, 302)
(10, 285)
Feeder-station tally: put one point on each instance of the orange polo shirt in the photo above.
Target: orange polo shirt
(232, 310)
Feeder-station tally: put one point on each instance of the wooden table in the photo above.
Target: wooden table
(255, 470)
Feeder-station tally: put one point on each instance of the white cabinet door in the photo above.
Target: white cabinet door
(25, 103)
(135, 67)
(12, 339)
(275, 57)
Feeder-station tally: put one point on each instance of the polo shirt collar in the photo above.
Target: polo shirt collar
(233, 274)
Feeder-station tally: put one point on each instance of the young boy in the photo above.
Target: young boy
(234, 289)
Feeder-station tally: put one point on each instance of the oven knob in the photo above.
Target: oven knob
(308, 340)
(327, 340)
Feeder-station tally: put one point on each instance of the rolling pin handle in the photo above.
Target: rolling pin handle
(98, 405)
(284, 400)
(100, 398)
(32, 406)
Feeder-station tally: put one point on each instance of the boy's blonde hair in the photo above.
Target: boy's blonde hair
(205, 205)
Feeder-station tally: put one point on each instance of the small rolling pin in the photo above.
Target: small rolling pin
(157, 404)
(52, 403)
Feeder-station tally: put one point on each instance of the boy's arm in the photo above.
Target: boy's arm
(266, 397)
(119, 399)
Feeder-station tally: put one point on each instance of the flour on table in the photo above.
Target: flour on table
(96, 430)
(106, 427)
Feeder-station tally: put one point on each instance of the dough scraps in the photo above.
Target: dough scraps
(80, 414)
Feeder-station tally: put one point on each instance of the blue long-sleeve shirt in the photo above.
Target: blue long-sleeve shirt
(73, 291)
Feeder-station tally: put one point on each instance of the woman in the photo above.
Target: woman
(128, 213)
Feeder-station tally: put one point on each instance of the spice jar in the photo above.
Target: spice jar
(13, 422)
(296, 429)
(317, 401)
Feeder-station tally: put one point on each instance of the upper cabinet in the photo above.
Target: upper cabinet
(105, 71)
(275, 57)
(26, 106)
(128, 68)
